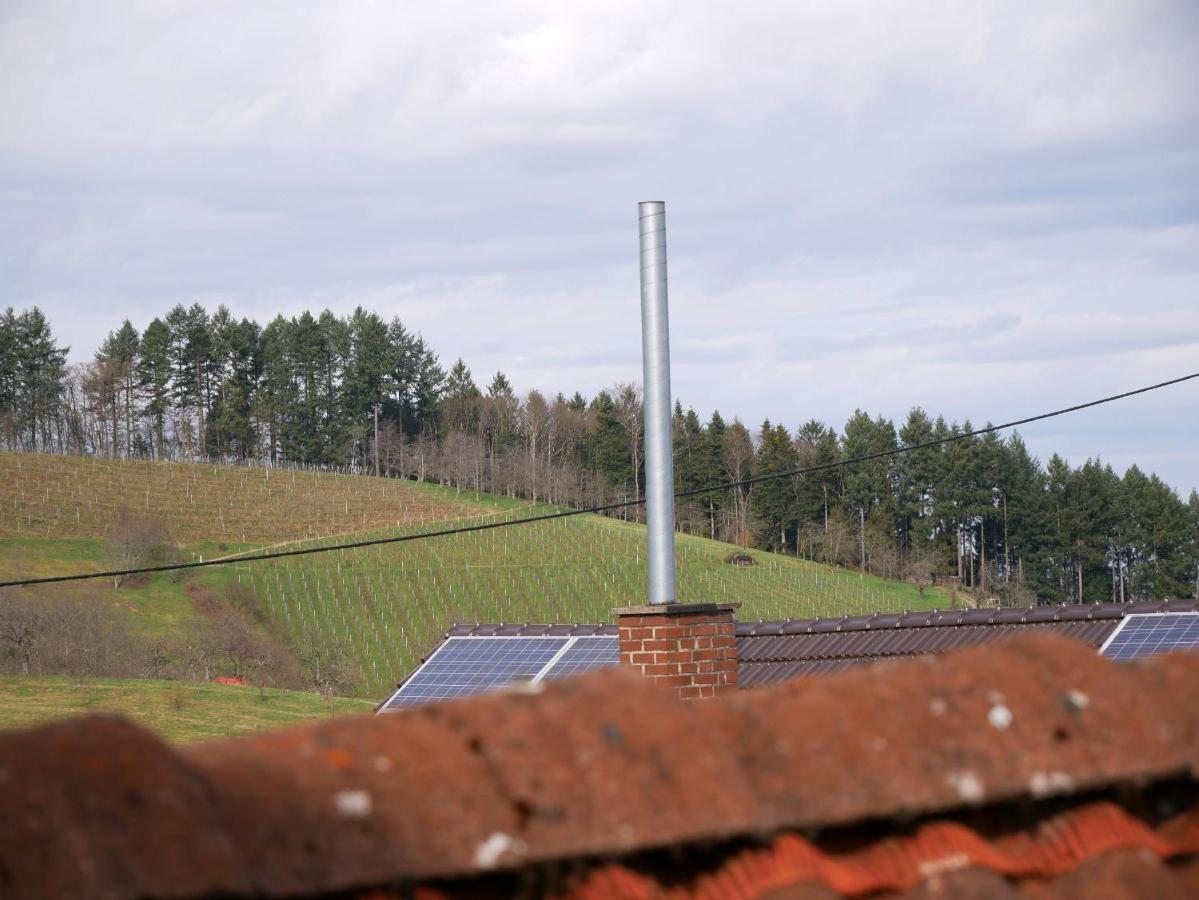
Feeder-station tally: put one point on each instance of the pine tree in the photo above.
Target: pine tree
(368, 374)
(118, 354)
(774, 501)
(237, 369)
(9, 381)
(459, 404)
(153, 375)
(607, 450)
(868, 487)
(41, 370)
(709, 467)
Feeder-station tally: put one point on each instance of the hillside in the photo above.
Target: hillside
(384, 607)
(179, 711)
(365, 617)
(75, 496)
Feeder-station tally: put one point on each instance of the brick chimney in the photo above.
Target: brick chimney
(688, 646)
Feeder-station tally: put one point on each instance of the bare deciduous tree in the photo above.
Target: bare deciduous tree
(137, 540)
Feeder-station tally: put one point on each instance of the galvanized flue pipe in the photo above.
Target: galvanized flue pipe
(655, 358)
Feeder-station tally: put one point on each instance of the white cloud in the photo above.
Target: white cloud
(983, 208)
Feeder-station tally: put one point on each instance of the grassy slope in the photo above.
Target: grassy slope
(179, 711)
(386, 606)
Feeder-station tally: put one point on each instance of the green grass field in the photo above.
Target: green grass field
(177, 710)
(382, 608)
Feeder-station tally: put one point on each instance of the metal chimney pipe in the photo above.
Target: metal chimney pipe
(655, 359)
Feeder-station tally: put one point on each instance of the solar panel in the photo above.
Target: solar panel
(1147, 634)
(463, 666)
(585, 654)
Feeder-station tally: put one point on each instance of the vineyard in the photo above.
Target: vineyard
(384, 607)
(375, 611)
(75, 496)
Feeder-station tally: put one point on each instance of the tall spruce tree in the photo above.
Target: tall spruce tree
(154, 384)
(119, 354)
(9, 380)
(774, 501)
(41, 370)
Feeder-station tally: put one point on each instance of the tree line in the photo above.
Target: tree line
(362, 393)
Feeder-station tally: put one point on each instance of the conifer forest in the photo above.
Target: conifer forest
(363, 394)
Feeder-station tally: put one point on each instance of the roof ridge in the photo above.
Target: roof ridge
(951, 618)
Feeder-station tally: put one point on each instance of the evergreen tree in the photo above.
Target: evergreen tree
(368, 374)
(277, 388)
(773, 502)
(460, 397)
(118, 354)
(868, 487)
(237, 369)
(816, 445)
(1025, 519)
(9, 380)
(607, 450)
(41, 370)
(154, 383)
(709, 467)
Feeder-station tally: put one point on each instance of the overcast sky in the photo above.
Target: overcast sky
(986, 209)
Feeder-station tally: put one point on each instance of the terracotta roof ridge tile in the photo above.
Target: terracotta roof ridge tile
(1055, 846)
(598, 766)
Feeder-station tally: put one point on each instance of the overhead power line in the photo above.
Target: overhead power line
(605, 507)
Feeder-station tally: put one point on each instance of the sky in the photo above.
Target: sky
(986, 209)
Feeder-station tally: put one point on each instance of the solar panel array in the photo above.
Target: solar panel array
(585, 655)
(464, 666)
(1148, 634)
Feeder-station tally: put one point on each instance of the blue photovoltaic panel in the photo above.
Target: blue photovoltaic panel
(463, 666)
(1151, 633)
(585, 654)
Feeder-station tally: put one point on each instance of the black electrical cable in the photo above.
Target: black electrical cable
(606, 507)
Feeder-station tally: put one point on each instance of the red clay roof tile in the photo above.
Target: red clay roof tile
(607, 766)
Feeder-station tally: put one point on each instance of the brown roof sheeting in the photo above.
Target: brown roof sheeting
(773, 652)
(997, 760)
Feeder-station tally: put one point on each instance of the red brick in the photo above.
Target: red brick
(658, 646)
(688, 668)
(659, 669)
(678, 656)
(673, 680)
(670, 631)
(641, 659)
(705, 655)
(636, 634)
(690, 693)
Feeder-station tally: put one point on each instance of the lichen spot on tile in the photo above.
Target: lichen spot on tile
(489, 853)
(1075, 700)
(937, 706)
(999, 716)
(352, 804)
(1046, 784)
(967, 785)
(382, 764)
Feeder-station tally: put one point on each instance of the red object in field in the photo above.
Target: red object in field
(226, 679)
